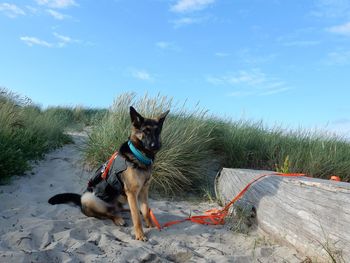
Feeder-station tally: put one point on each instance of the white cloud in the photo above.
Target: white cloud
(141, 74)
(251, 78)
(64, 40)
(57, 3)
(31, 41)
(343, 29)
(299, 38)
(184, 21)
(253, 82)
(32, 10)
(56, 15)
(167, 46)
(338, 58)
(61, 41)
(190, 5)
(11, 10)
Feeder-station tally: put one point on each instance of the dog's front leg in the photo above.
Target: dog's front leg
(144, 205)
(135, 215)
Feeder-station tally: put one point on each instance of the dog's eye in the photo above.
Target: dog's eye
(146, 130)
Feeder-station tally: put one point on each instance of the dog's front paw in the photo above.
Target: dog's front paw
(141, 237)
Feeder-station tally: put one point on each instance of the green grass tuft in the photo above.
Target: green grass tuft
(76, 117)
(26, 133)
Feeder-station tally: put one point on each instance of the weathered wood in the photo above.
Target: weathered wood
(308, 213)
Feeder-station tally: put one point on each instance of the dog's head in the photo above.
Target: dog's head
(146, 132)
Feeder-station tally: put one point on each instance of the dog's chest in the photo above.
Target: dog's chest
(136, 178)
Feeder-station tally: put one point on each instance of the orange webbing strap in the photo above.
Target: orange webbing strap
(110, 162)
(217, 216)
(154, 219)
(240, 194)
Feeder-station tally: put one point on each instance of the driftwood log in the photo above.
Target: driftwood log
(313, 215)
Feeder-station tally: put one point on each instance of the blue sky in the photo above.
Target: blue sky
(284, 62)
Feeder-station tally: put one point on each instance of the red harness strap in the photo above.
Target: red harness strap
(108, 167)
(217, 216)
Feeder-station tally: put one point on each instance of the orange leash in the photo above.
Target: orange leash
(110, 162)
(216, 216)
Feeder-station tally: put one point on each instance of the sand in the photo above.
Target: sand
(31, 230)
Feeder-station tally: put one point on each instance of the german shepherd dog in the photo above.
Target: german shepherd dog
(129, 178)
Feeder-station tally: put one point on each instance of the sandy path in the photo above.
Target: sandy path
(31, 230)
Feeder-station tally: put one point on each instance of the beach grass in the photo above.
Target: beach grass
(315, 153)
(196, 145)
(27, 132)
(78, 117)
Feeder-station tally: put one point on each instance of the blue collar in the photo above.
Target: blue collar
(139, 156)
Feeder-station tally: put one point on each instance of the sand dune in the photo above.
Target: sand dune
(31, 230)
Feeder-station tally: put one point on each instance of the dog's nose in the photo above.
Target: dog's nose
(154, 146)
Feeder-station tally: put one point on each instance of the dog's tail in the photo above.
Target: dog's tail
(65, 198)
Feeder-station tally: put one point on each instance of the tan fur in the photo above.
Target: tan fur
(95, 207)
(136, 185)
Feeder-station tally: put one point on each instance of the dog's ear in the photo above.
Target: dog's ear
(161, 118)
(136, 117)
